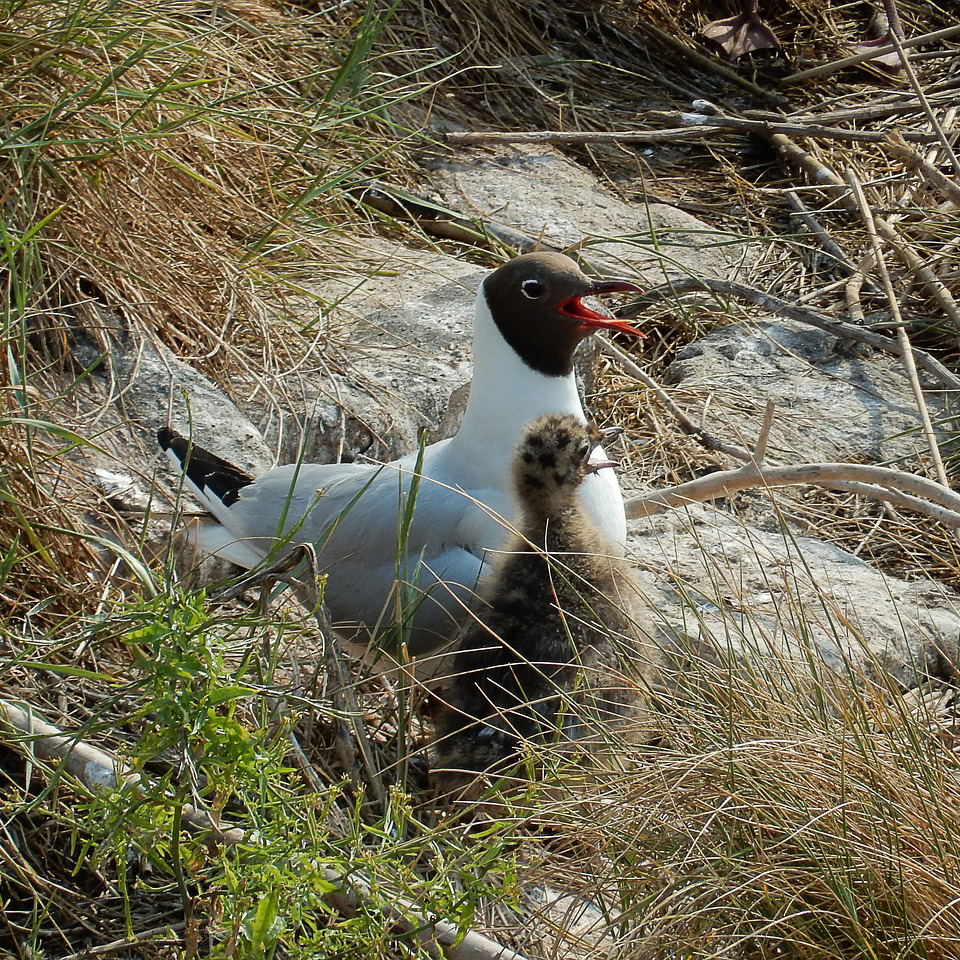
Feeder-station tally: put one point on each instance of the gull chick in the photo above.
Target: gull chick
(562, 649)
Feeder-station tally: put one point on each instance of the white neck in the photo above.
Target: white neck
(505, 396)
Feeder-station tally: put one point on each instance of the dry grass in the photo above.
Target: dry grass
(192, 164)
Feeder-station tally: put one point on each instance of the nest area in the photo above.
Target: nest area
(184, 171)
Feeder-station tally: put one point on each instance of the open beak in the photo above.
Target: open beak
(599, 464)
(596, 460)
(589, 319)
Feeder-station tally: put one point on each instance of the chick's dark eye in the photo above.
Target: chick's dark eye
(531, 289)
(584, 451)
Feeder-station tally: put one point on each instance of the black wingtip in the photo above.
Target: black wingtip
(205, 470)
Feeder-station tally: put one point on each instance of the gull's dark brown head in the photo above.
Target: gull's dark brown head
(536, 302)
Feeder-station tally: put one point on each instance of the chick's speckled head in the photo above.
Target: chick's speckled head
(551, 461)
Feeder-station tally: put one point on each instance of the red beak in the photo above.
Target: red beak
(589, 319)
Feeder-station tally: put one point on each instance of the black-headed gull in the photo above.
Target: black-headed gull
(529, 320)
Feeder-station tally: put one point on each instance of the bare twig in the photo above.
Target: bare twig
(793, 312)
(906, 350)
(760, 450)
(853, 288)
(143, 938)
(803, 213)
(94, 767)
(913, 161)
(880, 483)
(710, 64)
(834, 66)
(439, 937)
(708, 441)
(695, 126)
(901, 102)
(441, 221)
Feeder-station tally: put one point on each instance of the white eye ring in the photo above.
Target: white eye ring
(532, 289)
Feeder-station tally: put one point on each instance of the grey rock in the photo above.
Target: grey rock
(776, 597)
(547, 196)
(394, 349)
(830, 404)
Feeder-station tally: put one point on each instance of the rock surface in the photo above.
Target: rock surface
(396, 347)
(788, 599)
(831, 403)
(547, 196)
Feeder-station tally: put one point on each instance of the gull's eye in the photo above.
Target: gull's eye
(584, 451)
(532, 289)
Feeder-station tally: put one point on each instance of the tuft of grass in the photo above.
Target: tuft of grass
(185, 167)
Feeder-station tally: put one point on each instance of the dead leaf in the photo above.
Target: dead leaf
(878, 35)
(738, 36)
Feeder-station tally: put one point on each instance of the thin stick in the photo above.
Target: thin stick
(706, 440)
(94, 767)
(697, 126)
(902, 103)
(803, 213)
(896, 36)
(793, 312)
(853, 287)
(856, 58)
(142, 938)
(906, 350)
(711, 64)
(880, 483)
(760, 450)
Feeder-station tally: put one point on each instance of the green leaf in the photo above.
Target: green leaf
(223, 694)
(267, 923)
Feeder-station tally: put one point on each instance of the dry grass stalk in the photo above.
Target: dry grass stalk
(906, 350)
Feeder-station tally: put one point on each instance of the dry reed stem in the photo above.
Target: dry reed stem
(906, 350)
(827, 68)
(897, 38)
(912, 160)
(828, 179)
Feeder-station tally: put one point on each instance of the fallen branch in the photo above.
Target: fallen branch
(853, 287)
(710, 64)
(791, 311)
(93, 767)
(816, 228)
(441, 221)
(96, 769)
(894, 105)
(706, 440)
(694, 126)
(878, 483)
